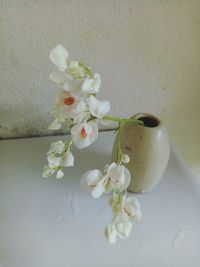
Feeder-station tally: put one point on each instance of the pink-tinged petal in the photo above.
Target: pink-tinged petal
(59, 56)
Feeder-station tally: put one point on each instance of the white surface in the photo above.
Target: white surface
(147, 52)
(55, 223)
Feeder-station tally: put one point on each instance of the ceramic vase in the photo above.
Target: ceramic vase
(148, 148)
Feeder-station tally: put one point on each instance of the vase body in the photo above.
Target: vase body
(148, 148)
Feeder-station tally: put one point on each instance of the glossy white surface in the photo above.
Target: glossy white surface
(55, 223)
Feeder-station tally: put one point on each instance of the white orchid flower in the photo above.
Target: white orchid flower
(92, 86)
(94, 181)
(67, 103)
(111, 233)
(119, 176)
(59, 56)
(56, 147)
(125, 209)
(98, 108)
(84, 134)
(132, 209)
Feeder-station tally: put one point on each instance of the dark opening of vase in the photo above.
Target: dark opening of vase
(149, 121)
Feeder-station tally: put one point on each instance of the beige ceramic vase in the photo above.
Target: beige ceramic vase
(148, 148)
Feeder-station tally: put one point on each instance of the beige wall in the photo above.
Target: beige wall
(148, 53)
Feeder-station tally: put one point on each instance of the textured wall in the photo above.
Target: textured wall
(148, 53)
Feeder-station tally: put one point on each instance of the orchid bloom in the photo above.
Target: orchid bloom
(78, 109)
(84, 134)
(126, 211)
(114, 177)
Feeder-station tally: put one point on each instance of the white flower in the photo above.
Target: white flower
(67, 159)
(56, 147)
(48, 171)
(59, 77)
(84, 134)
(53, 160)
(94, 181)
(55, 125)
(59, 56)
(70, 105)
(76, 70)
(111, 233)
(119, 177)
(92, 86)
(125, 209)
(59, 174)
(98, 108)
(126, 158)
(132, 209)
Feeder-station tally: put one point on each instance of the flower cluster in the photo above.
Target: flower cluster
(78, 108)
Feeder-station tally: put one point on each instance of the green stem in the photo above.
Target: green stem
(120, 120)
(119, 151)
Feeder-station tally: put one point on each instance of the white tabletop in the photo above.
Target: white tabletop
(46, 222)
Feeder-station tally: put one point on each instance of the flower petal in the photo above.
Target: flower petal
(91, 178)
(98, 108)
(92, 86)
(111, 233)
(98, 189)
(48, 171)
(67, 160)
(84, 134)
(124, 229)
(54, 161)
(59, 174)
(59, 56)
(56, 147)
(133, 207)
(55, 125)
(58, 77)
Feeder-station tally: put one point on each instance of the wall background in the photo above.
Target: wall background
(148, 53)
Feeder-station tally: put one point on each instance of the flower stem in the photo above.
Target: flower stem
(120, 120)
(119, 151)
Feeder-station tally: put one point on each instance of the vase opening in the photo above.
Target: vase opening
(149, 121)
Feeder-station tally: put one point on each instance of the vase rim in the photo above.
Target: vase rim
(150, 121)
